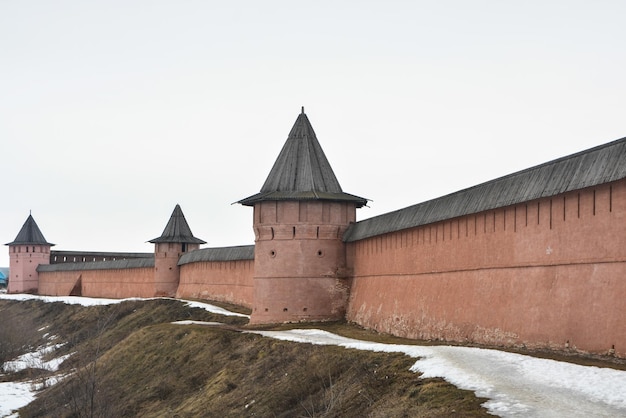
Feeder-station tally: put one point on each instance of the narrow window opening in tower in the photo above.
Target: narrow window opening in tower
(293, 232)
(26, 249)
(285, 309)
(184, 249)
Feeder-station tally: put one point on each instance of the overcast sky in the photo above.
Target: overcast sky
(112, 112)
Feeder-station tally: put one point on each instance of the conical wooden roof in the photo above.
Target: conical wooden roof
(302, 172)
(177, 230)
(30, 234)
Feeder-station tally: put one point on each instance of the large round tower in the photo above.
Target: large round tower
(300, 216)
(26, 253)
(175, 241)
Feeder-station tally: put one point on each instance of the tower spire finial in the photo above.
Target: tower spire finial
(303, 110)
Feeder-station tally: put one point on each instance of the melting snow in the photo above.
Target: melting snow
(516, 385)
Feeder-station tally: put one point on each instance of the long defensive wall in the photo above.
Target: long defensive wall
(537, 272)
(536, 258)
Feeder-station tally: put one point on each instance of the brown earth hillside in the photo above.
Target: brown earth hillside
(129, 360)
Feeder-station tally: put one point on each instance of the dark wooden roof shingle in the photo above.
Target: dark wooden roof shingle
(30, 234)
(302, 171)
(592, 167)
(177, 230)
(133, 263)
(244, 252)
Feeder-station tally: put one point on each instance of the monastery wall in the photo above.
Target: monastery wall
(546, 273)
(115, 279)
(119, 283)
(59, 283)
(226, 281)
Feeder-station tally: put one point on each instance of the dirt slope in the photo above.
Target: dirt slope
(129, 360)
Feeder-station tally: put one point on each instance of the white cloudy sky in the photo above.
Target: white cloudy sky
(112, 112)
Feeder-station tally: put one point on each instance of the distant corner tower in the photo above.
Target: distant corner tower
(175, 240)
(26, 253)
(300, 216)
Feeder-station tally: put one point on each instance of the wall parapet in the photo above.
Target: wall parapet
(58, 257)
(147, 262)
(593, 167)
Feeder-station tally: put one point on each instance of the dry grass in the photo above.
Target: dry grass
(130, 361)
(190, 371)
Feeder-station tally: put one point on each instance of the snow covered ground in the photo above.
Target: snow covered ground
(14, 395)
(516, 385)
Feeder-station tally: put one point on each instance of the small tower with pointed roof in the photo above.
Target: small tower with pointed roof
(26, 253)
(300, 216)
(175, 241)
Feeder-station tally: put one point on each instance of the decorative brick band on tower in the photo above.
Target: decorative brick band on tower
(300, 217)
(26, 253)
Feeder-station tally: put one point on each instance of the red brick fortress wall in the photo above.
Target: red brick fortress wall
(106, 283)
(225, 281)
(119, 283)
(104, 279)
(546, 273)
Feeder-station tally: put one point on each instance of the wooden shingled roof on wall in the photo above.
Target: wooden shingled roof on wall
(243, 252)
(592, 167)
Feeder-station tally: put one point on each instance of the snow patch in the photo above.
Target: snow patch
(516, 385)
